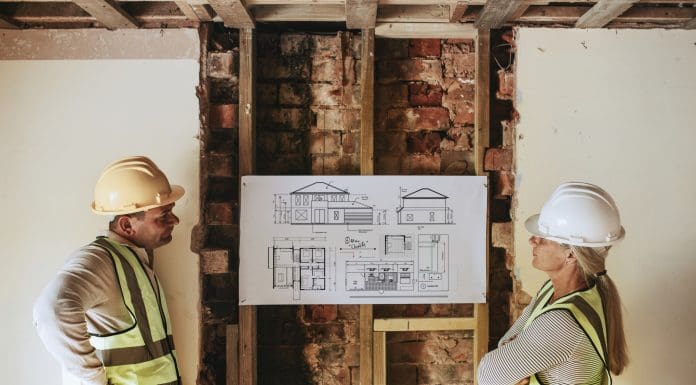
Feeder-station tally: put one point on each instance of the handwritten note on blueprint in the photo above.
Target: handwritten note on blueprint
(362, 239)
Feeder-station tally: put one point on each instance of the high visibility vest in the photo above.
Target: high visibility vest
(586, 307)
(142, 354)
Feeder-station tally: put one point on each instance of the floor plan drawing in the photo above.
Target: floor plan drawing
(362, 239)
(424, 206)
(299, 267)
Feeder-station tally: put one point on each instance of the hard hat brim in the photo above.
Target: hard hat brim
(532, 225)
(175, 195)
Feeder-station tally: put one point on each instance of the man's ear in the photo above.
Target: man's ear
(570, 256)
(125, 225)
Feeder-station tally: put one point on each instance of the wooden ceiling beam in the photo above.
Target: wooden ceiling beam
(187, 10)
(569, 15)
(108, 13)
(458, 10)
(300, 13)
(496, 12)
(361, 14)
(603, 13)
(413, 14)
(234, 13)
(7, 23)
(425, 31)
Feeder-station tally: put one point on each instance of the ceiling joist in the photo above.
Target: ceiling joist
(457, 11)
(603, 13)
(361, 14)
(425, 30)
(496, 12)
(7, 23)
(233, 13)
(187, 10)
(108, 13)
(691, 24)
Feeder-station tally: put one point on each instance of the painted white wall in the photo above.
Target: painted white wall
(61, 122)
(618, 108)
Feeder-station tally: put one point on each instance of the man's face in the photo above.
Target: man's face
(154, 229)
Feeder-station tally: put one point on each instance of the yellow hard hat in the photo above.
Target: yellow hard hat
(133, 184)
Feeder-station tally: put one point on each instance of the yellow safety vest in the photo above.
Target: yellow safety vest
(142, 354)
(586, 307)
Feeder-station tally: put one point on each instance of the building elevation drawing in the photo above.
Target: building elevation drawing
(353, 239)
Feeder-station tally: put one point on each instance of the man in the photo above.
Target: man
(104, 316)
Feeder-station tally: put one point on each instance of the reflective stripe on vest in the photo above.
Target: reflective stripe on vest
(587, 310)
(143, 353)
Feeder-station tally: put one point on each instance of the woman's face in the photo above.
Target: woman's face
(548, 255)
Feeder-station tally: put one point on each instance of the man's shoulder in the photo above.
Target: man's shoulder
(89, 256)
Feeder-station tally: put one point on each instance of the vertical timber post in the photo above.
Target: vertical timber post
(481, 142)
(367, 167)
(247, 163)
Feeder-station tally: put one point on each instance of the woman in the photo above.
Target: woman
(572, 331)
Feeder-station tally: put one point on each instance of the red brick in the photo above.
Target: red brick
(391, 95)
(293, 94)
(224, 116)
(424, 94)
(457, 91)
(416, 310)
(321, 313)
(349, 164)
(413, 119)
(504, 183)
(457, 162)
(501, 235)
(326, 94)
(391, 48)
(423, 142)
(441, 310)
(214, 261)
(508, 133)
(498, 159)
(325, 142)
(387, 165)
(350, 141)
(337, 119)
(459, 65)
(424, 47)
(294, 44)
(458, 46)
(349, 312)
(221, 165)
(284, 118)
(445, 374)
(221, 65)
(391, 143)
(220, 213)
(325, 164)
(506, 85)
(426, 70)
(290, 142)
(402, 374)
(407, 352)
(325, 46)
(326, 70)
(267, 93)
(462, 136)
(421, 164)
(462, 351)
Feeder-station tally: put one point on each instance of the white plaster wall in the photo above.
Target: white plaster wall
(61, 121)
(618, 108)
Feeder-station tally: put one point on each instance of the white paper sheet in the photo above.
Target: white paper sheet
(362, 239)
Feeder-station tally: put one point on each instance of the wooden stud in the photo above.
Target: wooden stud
(367, 79)
(247, 112)
(232, 355)
(380, 358)
(361, 14)
(481, 142)
(458, 10)
(367, 167)
(108, 12)
(425, 31)
(424, 324)
(604, 12)
(233, 13)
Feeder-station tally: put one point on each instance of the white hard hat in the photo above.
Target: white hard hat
(580, 214)
(131, 185)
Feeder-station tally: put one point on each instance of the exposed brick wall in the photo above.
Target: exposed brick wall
(308, 122)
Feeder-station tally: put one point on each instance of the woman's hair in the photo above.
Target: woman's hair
(591, 262)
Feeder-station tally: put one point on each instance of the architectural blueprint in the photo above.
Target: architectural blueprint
(362, 239)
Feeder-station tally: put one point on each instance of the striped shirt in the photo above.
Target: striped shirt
(553, 346)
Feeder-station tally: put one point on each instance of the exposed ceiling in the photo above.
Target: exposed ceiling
(420, 18)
